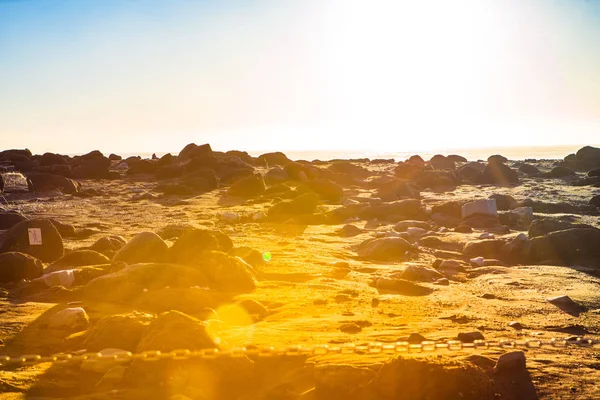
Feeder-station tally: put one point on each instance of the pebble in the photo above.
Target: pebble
(470, 337)
(350, 328)
(516, 325)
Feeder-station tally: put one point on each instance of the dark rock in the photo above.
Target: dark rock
(304, 204)
(145, 247)
(52, 159)
(249, 255)
(396, 190)
(471, 172)
(470, 337)
(594, 173)
(108, 244)
(516, 251)
(248, 187)
(77, 258)
(540, 227)
(406, 170)
(498, 173)
(346, 167)
(463, 229)
(451, 208)
(438, 179)
(117, 332)
(350, 231)
(41, 182)
(441, 162)
(96, 167)
(16, 266)
(114, 157)
(497, 159)
(488, 248)
(226, 273)
(588, 156)
(270, 159)
(398, 210)
(130, 283)
(17, 239)
(10, 219)
(560, 172)
(402, 226)
(192, 151)
(276, 175)
(65, 230)
(1, 183)
(570, 247)
(529, 169)
(385, 249)
(190, 244)
(326, 189)
(559, 208)
(417, 160)
(456, 158)
(143, 167)
(350, 328)
(504, 201)
(595, 201)
(417, 274)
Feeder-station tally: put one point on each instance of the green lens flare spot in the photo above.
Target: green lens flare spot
(267, 256)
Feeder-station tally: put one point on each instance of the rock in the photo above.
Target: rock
(350, 328)
(540, 227)
(349, 231)
(326, 189)
(42, 182)
(497, 173)
(248, 187)
(504, 201)
(509, 362)
(78, 258)
(437, 180)
(484, 248)
(190, 244)
(451, 266)
(417, 274)
(516, 251)
(385, 249)
(441, 162)
(339, 382)
(489, 222)
(456, 158)
(396, 190)
(497, 159)
(114, 157)
(560, 172)
(72, 319)
(254, 307)
(36, 237)
(483, 207)
(144, 247)
(470, 337)
(16, 266)
(471, 172)
(304, 204)
(226, 273)
(398, 210)
(192, 151)
(588, 156)
(10, 219)
(191, 301)
(108, 244)
(571, 247)
(529, 169)
(516, 325)
(276, 175)
(411, 378)
(401, 286)
(595, 201)
(451, 208)
(594, 173)
(277, 158)
(249, 255)
(519, 218)
(402, 226)
(417, 160)
(1, 183)
(117, 331)
(463, 229)
(92, 167)
(566, 304)
(348, 168)
(131, 282)
(406, 170)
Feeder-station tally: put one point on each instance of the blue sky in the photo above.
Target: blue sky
(137, 75)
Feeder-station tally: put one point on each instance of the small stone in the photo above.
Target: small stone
(470, 337)
(488, 296)
(415, 338)
(566, 304)
(374, 302)
(516, 325)
(442, 282)
(341, 298)
(350, 328)
(69, 318)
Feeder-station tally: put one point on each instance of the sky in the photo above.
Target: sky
(136, 76)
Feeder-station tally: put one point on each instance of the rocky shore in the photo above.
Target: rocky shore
(206, 249)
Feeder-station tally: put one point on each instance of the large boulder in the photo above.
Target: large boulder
(304, 204)
(16, 266)
(588, 156)
(42, 182)
(326, 189)
(438, 179)
(397, 189)
(595, 201)
(190, 244)
(250, 186)
(407, 170)
(10, 219)
(560, 172)
(108, 244)
(270, 159)
(385, 249)
(498, 173)
(36, 237)
(540, 227)
(226, 273)
(117, 332)
(571, 246)
(442, 162)
(489, 248)
(192, 151)
(47, 159)
(144, 247)
(93, 166)
(529, 169)
(132, 282)
(77, 258)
